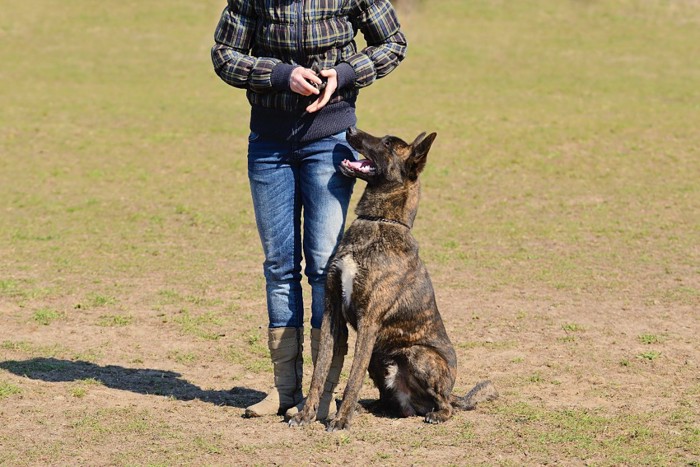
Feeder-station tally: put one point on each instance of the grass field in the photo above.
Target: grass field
(560, 222)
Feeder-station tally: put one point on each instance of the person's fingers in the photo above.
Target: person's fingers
(301, 86)
(323, 99)
(301, 79)
(329, 73)
(313, 107)
(310, 75)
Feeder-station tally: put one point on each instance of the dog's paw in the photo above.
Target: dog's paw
(338, 424)
(302, 418)
(440, 416)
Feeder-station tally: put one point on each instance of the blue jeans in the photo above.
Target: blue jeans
(286, 180)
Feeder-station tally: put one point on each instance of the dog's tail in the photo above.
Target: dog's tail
(482, 392)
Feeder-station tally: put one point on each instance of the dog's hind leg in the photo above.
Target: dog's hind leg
(431, 380)
(442, 412)
(366, 337)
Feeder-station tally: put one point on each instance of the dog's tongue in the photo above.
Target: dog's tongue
(363, 165)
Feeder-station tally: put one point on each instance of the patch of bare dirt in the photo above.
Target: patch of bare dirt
(126, 394)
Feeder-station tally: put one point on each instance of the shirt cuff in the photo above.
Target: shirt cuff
(280, 76)
(346, 75)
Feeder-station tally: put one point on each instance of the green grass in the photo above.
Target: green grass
(588, 132)
(78, 392)
(82, 387)
(30, 349)
(205, 325)
(16, 346)
(650, 355)
(570, 123)
(186, 358)
(255, 357)
(46, 316)
(114, 320)
(7, 287)
(572, 327)
(650, 339)
(592, 436)
(89, 355)
(8, 389)
(96, 300)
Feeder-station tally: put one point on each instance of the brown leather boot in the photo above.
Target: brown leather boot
(286, 353)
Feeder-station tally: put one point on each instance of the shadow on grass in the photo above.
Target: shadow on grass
(142, 381)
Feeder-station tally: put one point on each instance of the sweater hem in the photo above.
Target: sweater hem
(279, 125)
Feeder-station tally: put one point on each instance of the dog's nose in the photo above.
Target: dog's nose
(351, 131)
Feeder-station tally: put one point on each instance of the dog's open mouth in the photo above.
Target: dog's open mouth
(361, 167)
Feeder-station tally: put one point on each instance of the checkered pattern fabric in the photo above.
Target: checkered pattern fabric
(255, 36)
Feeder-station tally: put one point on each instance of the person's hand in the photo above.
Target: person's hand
(301, 79)
(331, 85)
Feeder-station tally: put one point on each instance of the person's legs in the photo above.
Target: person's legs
(273, 175)
(275, 190)
(325, 196)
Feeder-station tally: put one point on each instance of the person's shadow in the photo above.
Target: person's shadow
(142, 381)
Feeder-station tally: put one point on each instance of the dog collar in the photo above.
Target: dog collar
(383, 219)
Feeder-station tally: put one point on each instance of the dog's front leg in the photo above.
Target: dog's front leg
(366, 337)
(334, 334)
(318, 380)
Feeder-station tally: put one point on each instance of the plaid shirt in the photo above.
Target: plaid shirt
(259, 41)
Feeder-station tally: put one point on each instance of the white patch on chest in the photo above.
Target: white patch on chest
(348, 271)
(391, 372)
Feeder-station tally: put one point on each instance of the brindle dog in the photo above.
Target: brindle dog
(378, 284)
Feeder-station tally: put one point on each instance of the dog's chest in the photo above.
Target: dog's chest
(348, 269)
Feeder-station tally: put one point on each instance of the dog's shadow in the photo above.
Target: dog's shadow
(141, 381)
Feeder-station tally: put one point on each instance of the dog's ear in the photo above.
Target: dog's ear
(421, 146)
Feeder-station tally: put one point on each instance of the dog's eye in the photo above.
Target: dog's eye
(387, 144)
